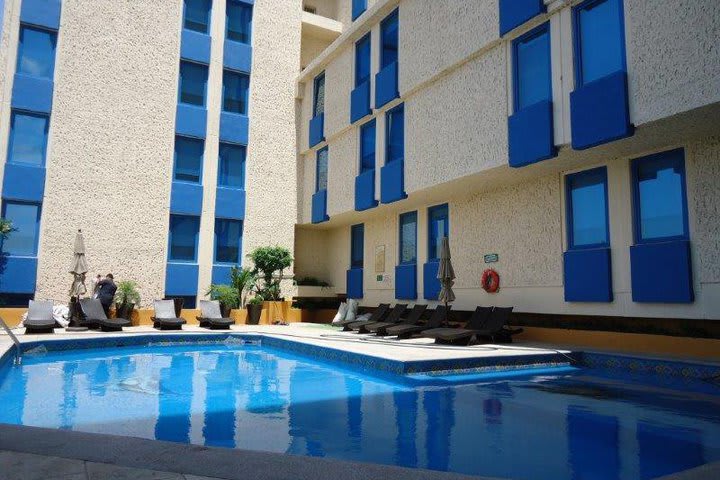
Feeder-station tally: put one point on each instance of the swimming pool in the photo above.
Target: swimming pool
(579, 423)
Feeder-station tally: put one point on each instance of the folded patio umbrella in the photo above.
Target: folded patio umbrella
(78, 269)
(446, 274)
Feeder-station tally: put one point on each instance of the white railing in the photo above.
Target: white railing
(18, 350)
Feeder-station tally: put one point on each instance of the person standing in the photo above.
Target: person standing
(106, 292)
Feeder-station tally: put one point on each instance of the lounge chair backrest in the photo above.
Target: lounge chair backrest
(210, 309)
(479, 318)
(438, 316)
(164, 309)
(415, 314)
(40, 310)
(498, 318)
(379, 312)
(396, 313)
(92, 309)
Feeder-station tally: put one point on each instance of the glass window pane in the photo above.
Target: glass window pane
(183, 237)
(188, 159)
(533, 70)
(357, 239)
(389, 38)
(362, 60)
(36, 52)
(235, 92)
(28, 138)
(239, 21)
(395, 134)
(408, 237)
(601, 49)
(367, 147)
(193, 83)
(319, 95)
(588, 207)
(322, 170)
(197, 15)
(660, 191)
(25, 218)
(438, 228)
(228, 234)
(231, 169)
(358, 7)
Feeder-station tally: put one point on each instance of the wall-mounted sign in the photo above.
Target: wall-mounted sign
(491, 258)
(380, 259)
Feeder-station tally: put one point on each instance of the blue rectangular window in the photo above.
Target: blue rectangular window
(25, 218)
(321, 172)
(395, 134)
(235, 92)
(408, 238)
(532, 81)
(586, 200)
(389, 40)
(193, 83)
(362, 60)
(184, 232)
(238, 18)
(319, 95)
(28, 138)
(188, 159)
(660, 197)
(358, 7)
(197, 15)
(231, 165)
(599, 40)
(36, 52)
(357, 247)
(367, 146)
(228, 236)
(438, 227)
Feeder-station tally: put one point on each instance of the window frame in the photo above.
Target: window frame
(227, 21)
(354, 229)
(372, 124)
(180, 83)
(543, 29)
(20, 49)
(443, 208)
(208, 25)
(200, 166)
(569, 217)
(246, 100)
(317, 169)
(388, 126)
(171, 235)
(244, 164)
(414, 216)
(394, 16)
(36, 240)
(320, 78)
(215, 241)
(11, 137)
(365, 40)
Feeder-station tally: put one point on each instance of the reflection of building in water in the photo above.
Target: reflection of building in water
(440, 411)
(175, 400)
(220, 400)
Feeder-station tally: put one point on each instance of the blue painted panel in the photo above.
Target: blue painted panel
(360, 102)
(662, 272)
(23, 182)
(237, 56)
(317, 129)
(386, 85)
(354, 279)
(190, 120)
(18, 275)
(599, 112)
(181, 279)
(233, 128)
(431, 284)
(406, 281)
(33, 94)
(45, 13)
(392, 182)
(514, 13)
(588, 275)
(195, 46)
(230, 203)
(186, 198)
(530, 135)
(365, 191)
(221, 274)
(319, 207)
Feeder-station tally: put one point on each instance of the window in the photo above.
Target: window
(321, 172)
(586, 201)
(362, 60)
(238, 19)
(235, 92)
(599, 40)
(319, 95)
(188, 159)
(531, 63)
(408, 238)
(28, 138)
(358, 7)
(367, 146)
(228, 236)
(660, 197)
(389, 40)
(438, 227)
(395, 134)
(231, 166)
(193, 83)
(197, 15)
(15, 300)
(357, 248)
(25, 218)
(36, 52)
(183, 238)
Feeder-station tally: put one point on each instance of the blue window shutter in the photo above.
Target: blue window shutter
(25, 218)
(238, 18)
(587, 209)
(395, 134)
(514, 13)
(357, 247)
(438, 227)
(321, 173)
(408, 238)
(188, 159)
(197, 15)
(28, 138)
(228, 237)
(193, 83)
(367, 146)
(231, 165)
(235, 92)
(184, 232)
(36, 52)
(358, 7)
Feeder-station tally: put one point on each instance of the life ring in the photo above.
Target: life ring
(490, 281)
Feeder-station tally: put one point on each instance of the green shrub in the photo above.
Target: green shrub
(268, 261)
(127, 293)
(225, 294)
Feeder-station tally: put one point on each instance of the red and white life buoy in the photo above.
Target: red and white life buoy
(490, 281)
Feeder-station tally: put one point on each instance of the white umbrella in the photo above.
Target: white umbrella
(78, 269)
(446, 274)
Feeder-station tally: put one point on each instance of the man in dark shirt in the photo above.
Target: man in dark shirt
(106, 292)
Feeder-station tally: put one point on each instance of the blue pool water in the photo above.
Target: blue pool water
(584, 424)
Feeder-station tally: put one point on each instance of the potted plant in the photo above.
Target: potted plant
(242, 280)
(270, 263)
(126, 297)
(226, 295)
(254, 308)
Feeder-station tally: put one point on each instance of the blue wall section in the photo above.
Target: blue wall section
(317, 129)
(662, 272)
(195, 46)
(319, 207)
(18, 275)
(588, 276)
(230, 203)
(599, 112)
(431, 284)
(186, 198)
(360, 102)
(45, 13)
(392, 182)
(386, 85)
(233, 128)
(530, 135)
(365, 191)
(23, 182)
(406, 282)
(33, 94)
(190, 121)
(221, 274)
(354, 286)
(237, 56)
(181, 279)
(514, 13)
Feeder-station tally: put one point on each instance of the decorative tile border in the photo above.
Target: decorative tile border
(651, 366)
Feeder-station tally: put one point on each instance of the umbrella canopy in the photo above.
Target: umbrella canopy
(446, 274)
(79, 267)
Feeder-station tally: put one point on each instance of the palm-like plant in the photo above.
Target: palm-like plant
(242, 280)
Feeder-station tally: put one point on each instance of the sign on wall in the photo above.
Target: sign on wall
(380, 259)
(491, 258)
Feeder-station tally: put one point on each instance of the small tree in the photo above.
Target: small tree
(268, 261)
